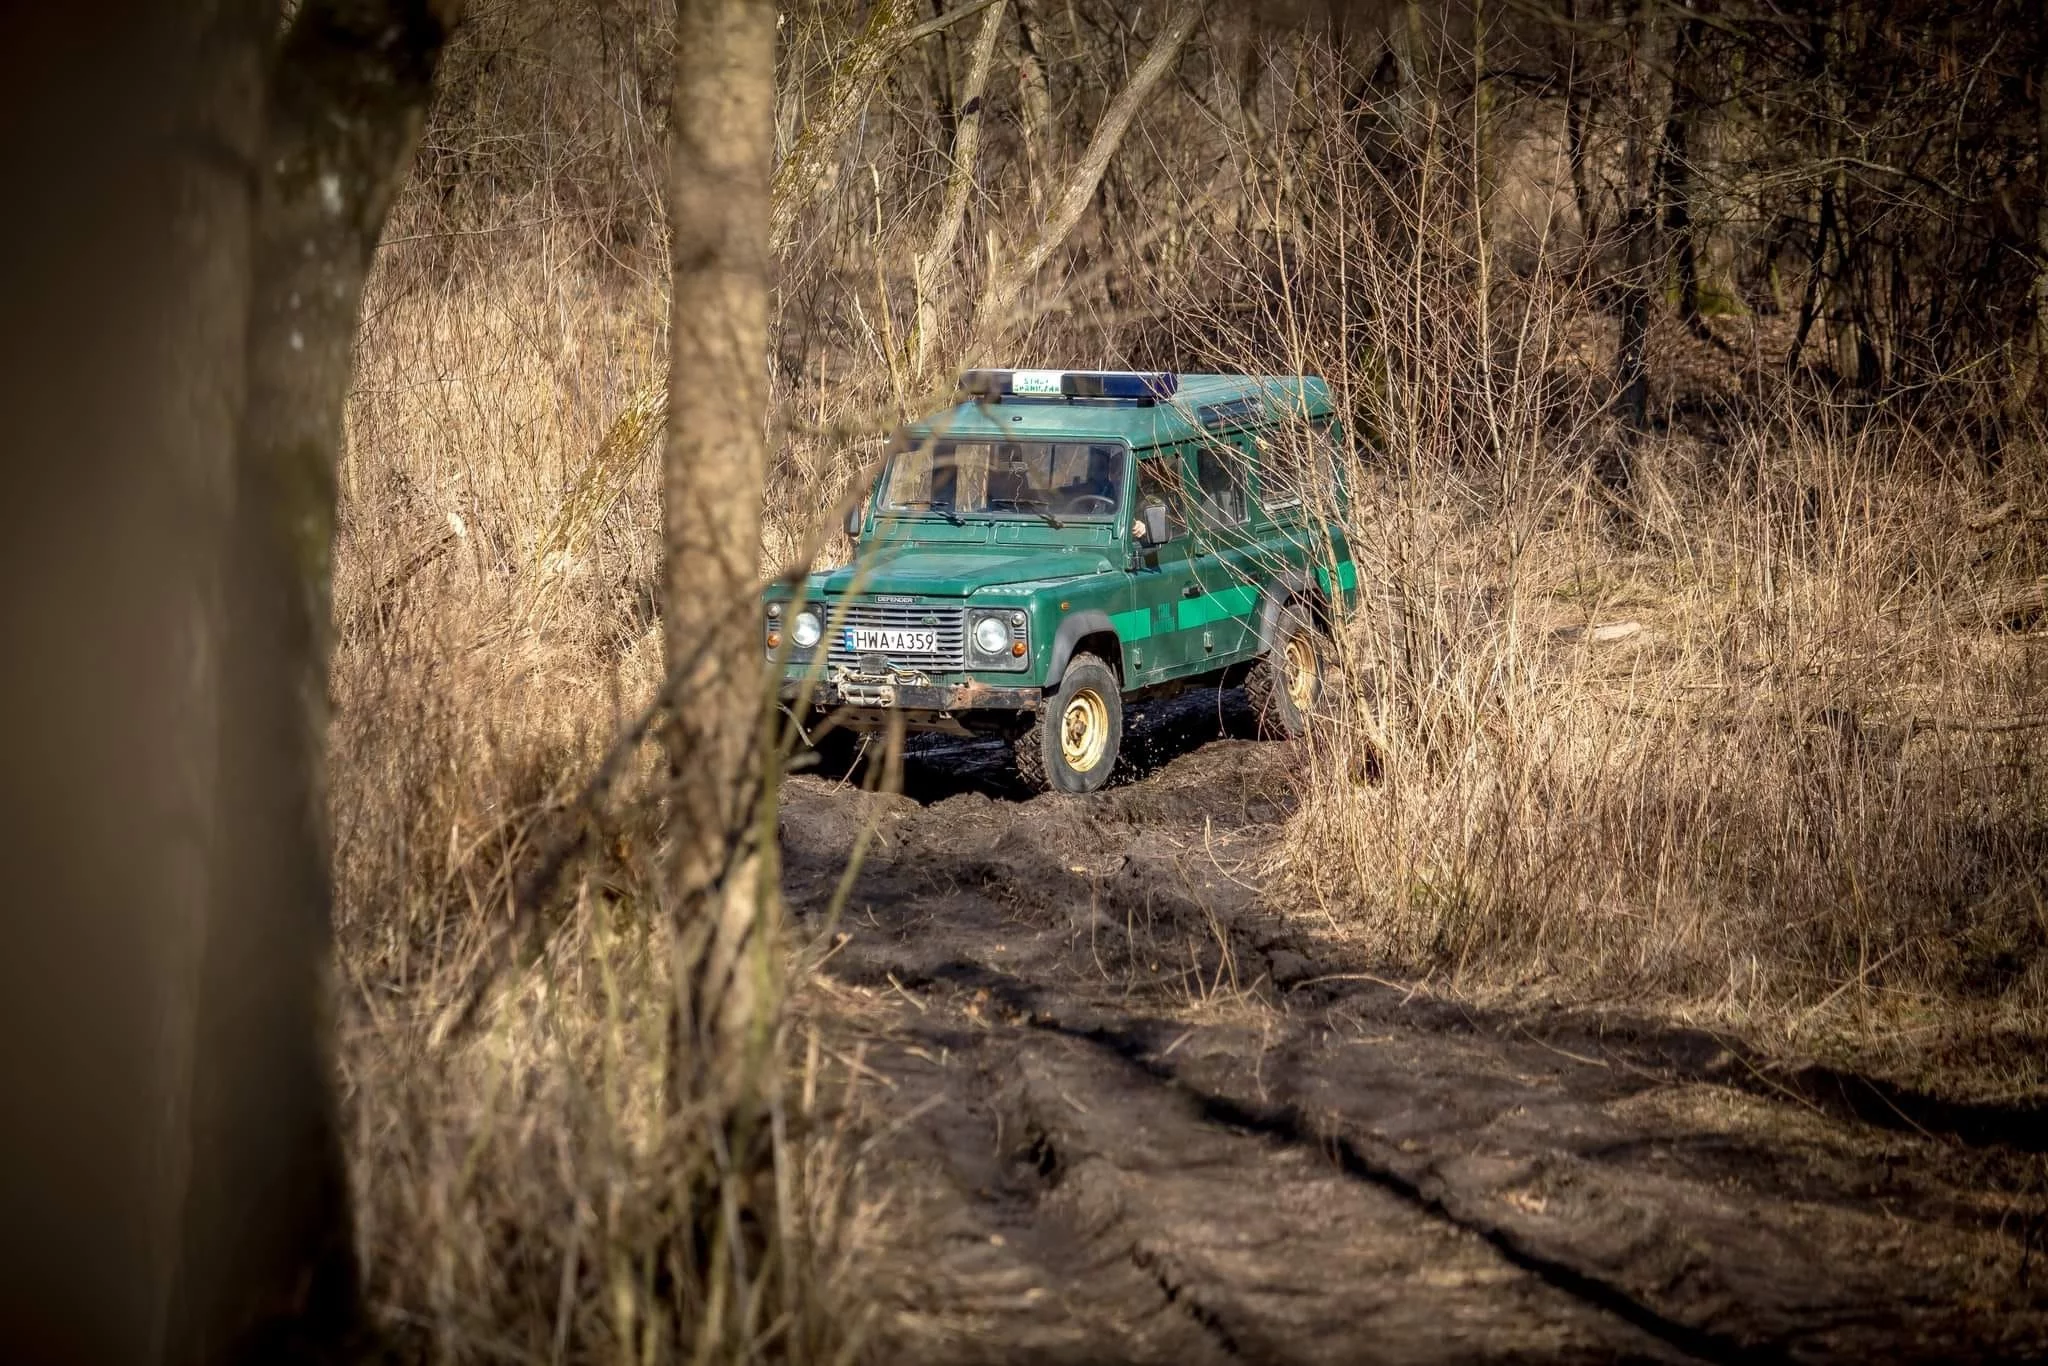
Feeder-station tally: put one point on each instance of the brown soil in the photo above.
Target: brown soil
(1124, 1111)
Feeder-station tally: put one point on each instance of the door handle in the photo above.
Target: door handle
(1193, 590)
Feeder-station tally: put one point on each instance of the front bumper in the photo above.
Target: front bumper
(911, 693)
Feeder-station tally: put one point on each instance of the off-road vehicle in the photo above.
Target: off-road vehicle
(1061, 543)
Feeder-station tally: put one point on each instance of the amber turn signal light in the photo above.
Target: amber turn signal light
(774, 639)
(1017, 648)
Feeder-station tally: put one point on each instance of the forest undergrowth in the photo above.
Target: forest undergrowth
(1737, 717)
(1754, 741)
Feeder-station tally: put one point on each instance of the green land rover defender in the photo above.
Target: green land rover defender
(1061, 543)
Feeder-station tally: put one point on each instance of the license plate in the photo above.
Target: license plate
(890, 641)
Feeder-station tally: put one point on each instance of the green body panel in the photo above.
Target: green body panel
(1172, 612)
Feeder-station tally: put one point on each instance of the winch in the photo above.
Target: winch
(873, 683)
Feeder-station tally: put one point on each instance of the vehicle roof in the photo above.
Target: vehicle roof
(1139, 422)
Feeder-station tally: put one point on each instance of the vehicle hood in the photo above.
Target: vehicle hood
(926, 570)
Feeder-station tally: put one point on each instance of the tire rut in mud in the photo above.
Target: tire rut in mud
(1425, 1192)
(1181, 1161)
(1276, 1254)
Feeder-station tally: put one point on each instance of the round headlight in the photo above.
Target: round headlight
(991, 636)
(805, 630)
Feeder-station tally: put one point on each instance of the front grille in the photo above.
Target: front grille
(949, 622)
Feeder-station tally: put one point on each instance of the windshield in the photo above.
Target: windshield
(1081, 480)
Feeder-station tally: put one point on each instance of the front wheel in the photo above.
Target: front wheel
(1285, 688)
(1072, 746)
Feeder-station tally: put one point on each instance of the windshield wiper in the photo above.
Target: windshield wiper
(1019, 505)
(955, 518)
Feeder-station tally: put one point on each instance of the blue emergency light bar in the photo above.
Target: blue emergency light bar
(1144, 386)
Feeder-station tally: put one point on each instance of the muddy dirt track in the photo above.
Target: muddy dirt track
(1125, 1112)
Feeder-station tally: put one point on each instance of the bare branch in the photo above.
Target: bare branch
(993, 315)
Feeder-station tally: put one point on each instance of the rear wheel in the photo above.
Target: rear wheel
(1072, 745)
(1285, 687)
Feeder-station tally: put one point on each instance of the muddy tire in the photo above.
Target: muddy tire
(1286, 686)
(1072, 746)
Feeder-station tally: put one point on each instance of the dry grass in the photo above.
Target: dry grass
(1785, 803)
(495, 599)
(1797, 789)
(1795, 785)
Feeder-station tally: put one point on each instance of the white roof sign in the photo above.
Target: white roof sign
(1045, 382)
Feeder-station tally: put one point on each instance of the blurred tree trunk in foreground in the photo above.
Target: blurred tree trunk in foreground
(725, 895)
(268, 1241)
(188, 263)
(122, 367)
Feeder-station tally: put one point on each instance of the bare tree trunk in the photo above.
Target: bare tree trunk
(723, 883)
(994, 316)
(939, 78)
(2041, 205)
(121, 371)
(1639, 224)
(726, 955)
(1034, 101)
(810, 168)
(1817, 257)
(931, 263)
(172, 1188)
(1675, 178)
(1578, 111)
(1235, 70)
(808, 171)
(1415, 94)
(263, 1276)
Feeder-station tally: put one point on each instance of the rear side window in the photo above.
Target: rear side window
(1220, 482)
(1299, 463)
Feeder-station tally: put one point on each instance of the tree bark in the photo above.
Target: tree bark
(994, 316)
(726, 957)
(1034, 101)
(1578, 112)
(173, 1189)
(268, 1271)
(722, 881)
(1675, 179)
(932, 262)
(2041, 205)
(809, 169)
(1415, 94)
(126, 275)
(1637, 278)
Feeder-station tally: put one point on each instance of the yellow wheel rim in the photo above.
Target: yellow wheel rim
(1303, 674)
(1084, 730)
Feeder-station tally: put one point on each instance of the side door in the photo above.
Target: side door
(1154, 647)
(1219, 611)
(1283, 522)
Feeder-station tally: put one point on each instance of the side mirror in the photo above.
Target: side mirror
(855, 515)
(1150, 528)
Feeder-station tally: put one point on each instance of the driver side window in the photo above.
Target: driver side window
(1159, 482)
